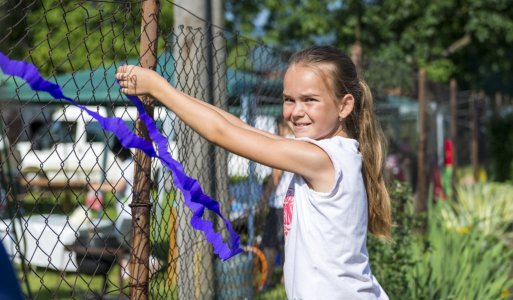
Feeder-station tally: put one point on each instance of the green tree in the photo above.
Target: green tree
(466, 39)
(63, 35)
(13, 15)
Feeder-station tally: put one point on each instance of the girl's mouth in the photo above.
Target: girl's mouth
(301, 127)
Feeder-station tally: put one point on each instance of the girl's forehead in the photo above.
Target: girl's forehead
(321, 68)
(318, 71)
(305, 77)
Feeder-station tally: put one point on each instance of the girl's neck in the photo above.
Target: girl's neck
(339, 131)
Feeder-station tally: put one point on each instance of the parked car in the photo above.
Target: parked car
(74, 147)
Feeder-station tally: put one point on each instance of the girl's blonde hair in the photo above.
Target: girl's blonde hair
(360, 124)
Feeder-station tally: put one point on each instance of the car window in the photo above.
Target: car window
(49, 134)
(95, 133)
(63, 131)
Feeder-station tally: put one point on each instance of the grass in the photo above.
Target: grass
(52, 284)
(277, 293)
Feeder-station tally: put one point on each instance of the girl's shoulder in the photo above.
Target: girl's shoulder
(335, 144)
(343, 152)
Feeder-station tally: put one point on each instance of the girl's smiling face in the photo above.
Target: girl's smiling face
(309, 104)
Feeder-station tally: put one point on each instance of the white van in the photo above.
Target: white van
(69, 147)
(239, 166)
(74, 147)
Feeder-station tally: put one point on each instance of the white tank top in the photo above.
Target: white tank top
(326, 233)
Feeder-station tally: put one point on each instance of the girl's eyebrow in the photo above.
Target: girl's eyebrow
(301, 96)
(309, 95)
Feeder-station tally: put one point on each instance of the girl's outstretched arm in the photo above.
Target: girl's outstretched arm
(231, 118)
(228, 116)
(210, 122)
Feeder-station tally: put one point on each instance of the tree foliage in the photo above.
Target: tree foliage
(464, 39)
(469, 40)
(63, 35)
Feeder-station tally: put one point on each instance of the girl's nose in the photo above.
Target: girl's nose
(298, 110)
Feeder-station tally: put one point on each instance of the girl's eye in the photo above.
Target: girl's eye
(310, 100)
(287, 100)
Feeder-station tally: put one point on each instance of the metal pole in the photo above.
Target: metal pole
(194, 262)
(439, 119)
(140, 245)
(248, 112)
(210, 93)
(421, 199)
(475, 135)
(454, 130)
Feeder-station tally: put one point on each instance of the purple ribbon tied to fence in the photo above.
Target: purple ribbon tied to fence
(194, 196)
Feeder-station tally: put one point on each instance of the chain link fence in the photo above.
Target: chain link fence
(66, 184)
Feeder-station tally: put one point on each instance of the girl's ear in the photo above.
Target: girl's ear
(346, 106)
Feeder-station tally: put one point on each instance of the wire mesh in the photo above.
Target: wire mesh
(66, 184)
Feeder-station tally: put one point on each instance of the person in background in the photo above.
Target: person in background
(274, 191)
(122, 189)
(9, 286)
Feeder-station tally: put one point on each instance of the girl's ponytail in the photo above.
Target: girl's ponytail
(371, 140)
(360, 125)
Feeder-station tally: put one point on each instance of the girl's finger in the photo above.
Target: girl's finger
(129, 68)
(132, 79)
(121, 69)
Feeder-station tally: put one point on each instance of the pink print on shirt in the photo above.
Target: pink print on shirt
(288, 208)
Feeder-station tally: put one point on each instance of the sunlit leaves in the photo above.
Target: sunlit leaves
(421, 30)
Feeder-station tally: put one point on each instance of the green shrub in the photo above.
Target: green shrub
(489, 206)
(449, 261)
(391, 262)
(459, 263)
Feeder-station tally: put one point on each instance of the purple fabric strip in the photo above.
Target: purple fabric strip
(194, 196)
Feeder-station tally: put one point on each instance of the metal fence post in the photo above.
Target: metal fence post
(194, 266)
(454, 130)
(140, 245)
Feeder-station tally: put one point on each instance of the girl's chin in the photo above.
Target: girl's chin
(303, 135)
(306, 134)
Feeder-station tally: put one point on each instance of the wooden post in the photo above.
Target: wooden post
(420, 204)
(356, 56)
(454, 130)
(498, 101)
(356, 48)
(173, 248)
(475, 135)
(140, 245)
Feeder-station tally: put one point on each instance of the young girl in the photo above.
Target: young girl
(337, 192)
